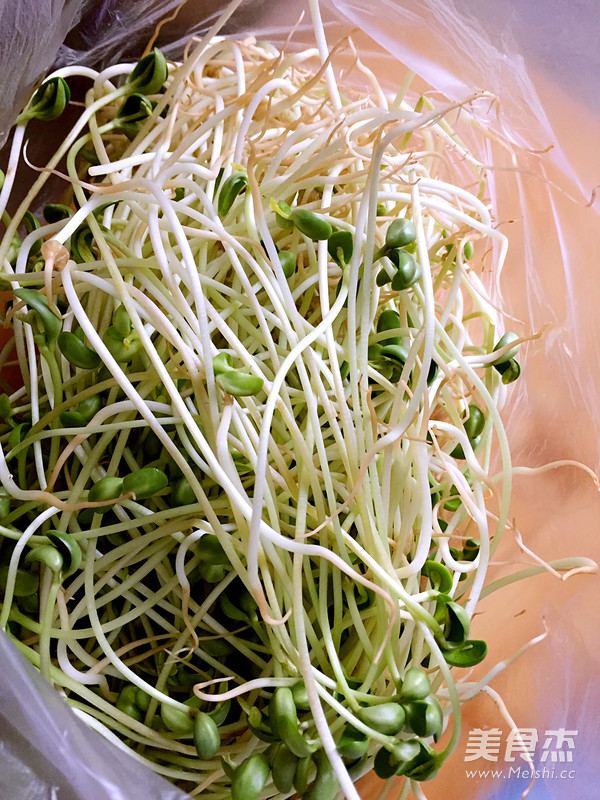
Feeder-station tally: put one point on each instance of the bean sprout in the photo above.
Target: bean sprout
(261, 412)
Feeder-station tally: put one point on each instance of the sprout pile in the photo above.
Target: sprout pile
(252, 480)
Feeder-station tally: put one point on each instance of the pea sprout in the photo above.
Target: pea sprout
(247, 503)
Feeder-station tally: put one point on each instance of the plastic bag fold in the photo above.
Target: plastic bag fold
(46, 753)
(31, 34)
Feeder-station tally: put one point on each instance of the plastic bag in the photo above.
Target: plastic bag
(47, 753)
(38, 35)
(28, 49)
(544, 201)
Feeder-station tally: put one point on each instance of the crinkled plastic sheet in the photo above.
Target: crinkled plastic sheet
(28, 46)
(37, 34)
(540, 60)
(46, 753)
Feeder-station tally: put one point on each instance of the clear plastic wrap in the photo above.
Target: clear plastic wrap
(544, 193)
(38, 34)
(28, 50)
(47, 753)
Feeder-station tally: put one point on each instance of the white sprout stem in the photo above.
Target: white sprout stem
(14, 562)
(315, 13)
(13, 162)
(312, 689)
